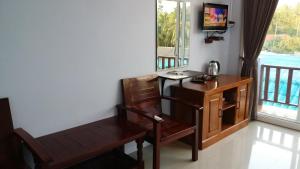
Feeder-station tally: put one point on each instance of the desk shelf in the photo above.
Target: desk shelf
(226, 126)
(227, 105)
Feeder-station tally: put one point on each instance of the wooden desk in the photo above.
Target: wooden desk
(73, 146)
(225, 101)
(180, 77)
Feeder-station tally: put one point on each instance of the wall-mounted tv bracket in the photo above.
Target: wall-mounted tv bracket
(230, 24)
(210, 38)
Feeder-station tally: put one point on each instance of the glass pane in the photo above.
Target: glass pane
(184, 31)
(166, 31)
(173, 33)
(295, 89)
(271, 92)
(282, 85)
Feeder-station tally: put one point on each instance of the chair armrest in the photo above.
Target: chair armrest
(197, 107)
(141, 113)
(35, 147)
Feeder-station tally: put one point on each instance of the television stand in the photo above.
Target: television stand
(225, 101)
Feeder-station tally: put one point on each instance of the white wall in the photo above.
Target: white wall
(234, 62)
(226, 52)
(61, 60)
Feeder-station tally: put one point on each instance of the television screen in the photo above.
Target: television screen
(215, 17)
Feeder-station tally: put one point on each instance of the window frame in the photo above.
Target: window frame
(178, 37)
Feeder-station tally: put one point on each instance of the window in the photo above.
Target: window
(173, 33)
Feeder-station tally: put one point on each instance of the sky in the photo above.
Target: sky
(170, 6)
(288, 2)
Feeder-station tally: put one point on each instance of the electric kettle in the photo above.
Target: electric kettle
(213, 68)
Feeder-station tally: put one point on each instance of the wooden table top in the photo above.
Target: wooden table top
(72, 146)
(181, 75)
(223, 82)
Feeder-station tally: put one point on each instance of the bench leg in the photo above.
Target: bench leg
(140, 152)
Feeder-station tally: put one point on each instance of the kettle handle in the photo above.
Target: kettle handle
(219, 66)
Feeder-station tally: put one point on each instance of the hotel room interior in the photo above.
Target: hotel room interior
(149, 84)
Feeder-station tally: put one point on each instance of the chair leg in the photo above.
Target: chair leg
(195, 146)
(156, 156)
(140, 153)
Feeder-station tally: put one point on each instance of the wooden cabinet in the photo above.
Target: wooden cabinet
(225, 101)
(213, 111)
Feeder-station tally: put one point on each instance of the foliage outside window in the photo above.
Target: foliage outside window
(173, 33)
(284, 32)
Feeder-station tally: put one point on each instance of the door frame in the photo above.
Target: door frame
(263, 117)
(278, 121)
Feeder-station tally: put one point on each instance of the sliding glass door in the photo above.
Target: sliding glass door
(279, 67)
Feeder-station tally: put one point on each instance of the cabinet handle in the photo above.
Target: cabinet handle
(220, 113)
(238, 105)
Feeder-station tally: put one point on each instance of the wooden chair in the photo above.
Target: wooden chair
(142, 105)
(10, 149)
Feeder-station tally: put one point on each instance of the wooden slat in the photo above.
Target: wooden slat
(277, 81)
(261, 83)
(289, 86)
(267, 78)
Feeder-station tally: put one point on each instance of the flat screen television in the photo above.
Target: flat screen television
(215, 17)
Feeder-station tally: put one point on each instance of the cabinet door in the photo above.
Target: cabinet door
(214, 114)
(242, 100)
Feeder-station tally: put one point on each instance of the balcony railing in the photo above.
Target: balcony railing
(167, 62)
(279, 84)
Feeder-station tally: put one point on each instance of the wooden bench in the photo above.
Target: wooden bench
(96, 144)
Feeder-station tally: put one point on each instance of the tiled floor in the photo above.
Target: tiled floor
(258, 146)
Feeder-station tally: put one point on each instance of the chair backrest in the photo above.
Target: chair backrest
(6, 125)
(143, 93)
(10, 149)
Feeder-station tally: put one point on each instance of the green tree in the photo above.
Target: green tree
(166, 28)
(284, 30)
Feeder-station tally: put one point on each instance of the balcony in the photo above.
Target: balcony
(279, 89)
(167, 58)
